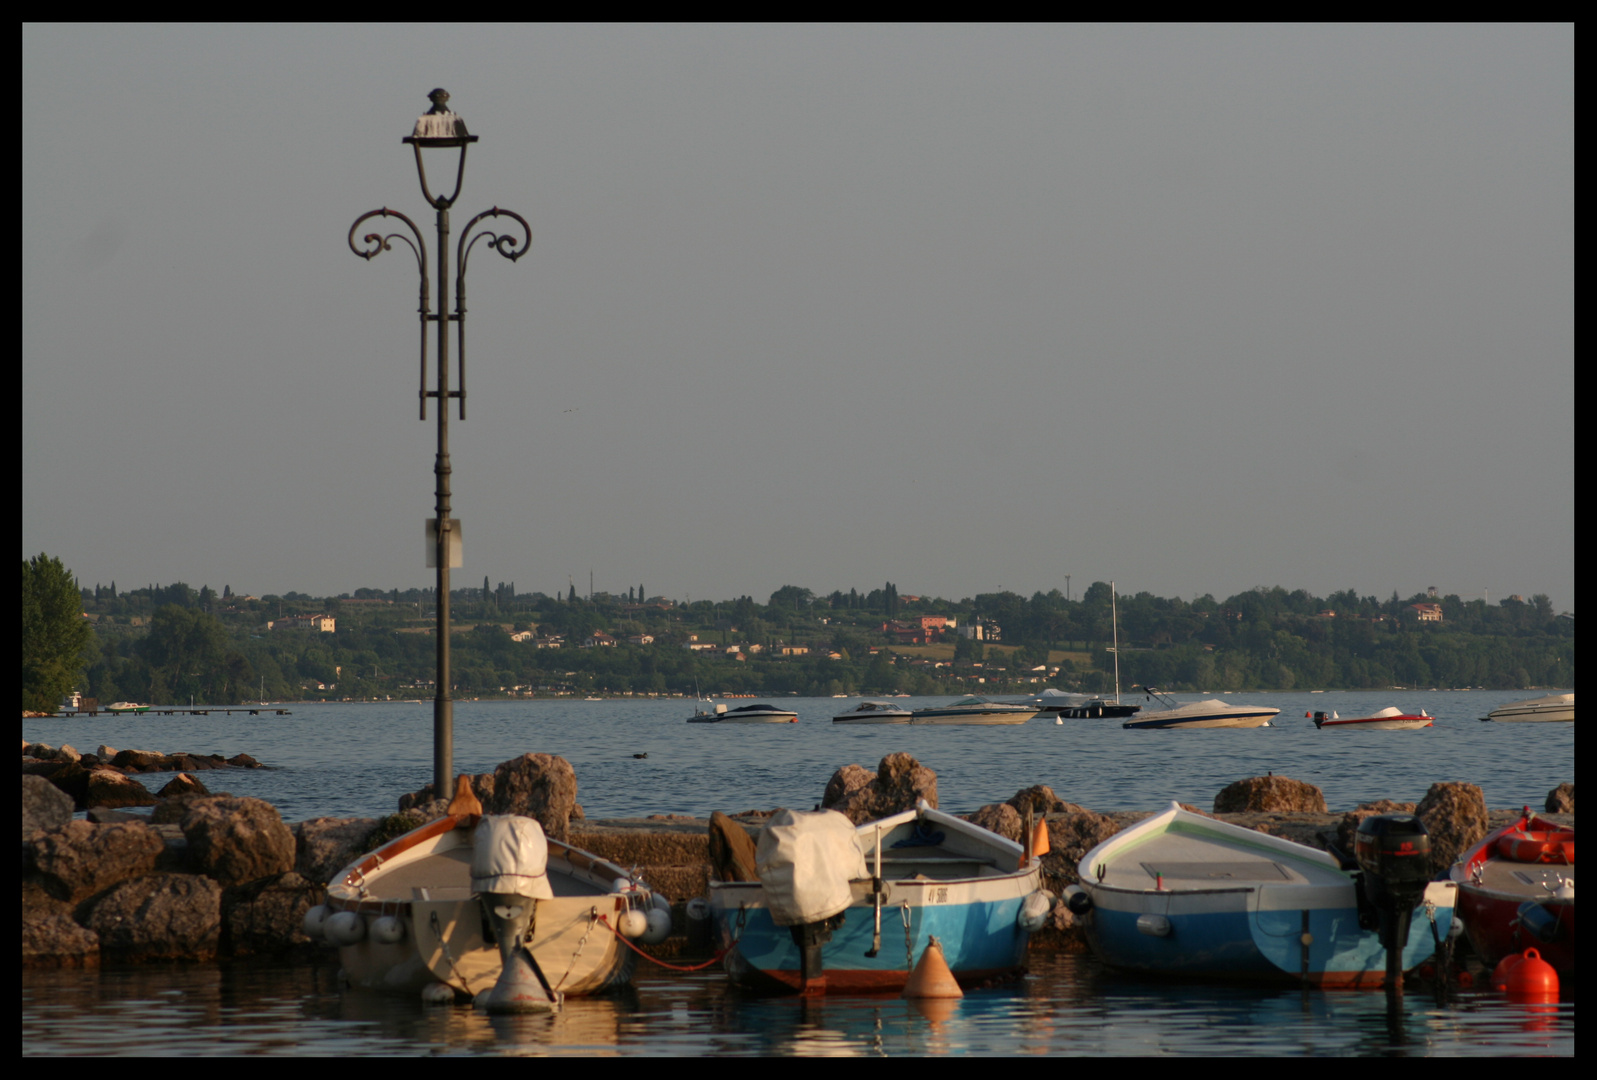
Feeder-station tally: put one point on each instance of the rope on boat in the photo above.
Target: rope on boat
(716, 959)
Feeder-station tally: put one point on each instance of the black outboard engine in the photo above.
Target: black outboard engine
(1393, 853)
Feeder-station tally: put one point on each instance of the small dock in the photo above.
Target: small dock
(161, 710)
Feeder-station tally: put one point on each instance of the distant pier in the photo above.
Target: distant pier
(161, 710)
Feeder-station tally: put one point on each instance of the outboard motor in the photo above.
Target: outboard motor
(1393, 853)
(509, 874)
(805, 861)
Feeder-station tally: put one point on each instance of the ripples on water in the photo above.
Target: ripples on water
(1067, 1005)
(357, 759)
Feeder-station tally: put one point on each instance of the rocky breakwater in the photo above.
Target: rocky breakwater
(104, 779)
(203, 876)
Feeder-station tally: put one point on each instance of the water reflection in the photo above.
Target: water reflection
(1067, 1005)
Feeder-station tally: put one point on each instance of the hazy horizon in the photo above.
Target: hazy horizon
(967, 308)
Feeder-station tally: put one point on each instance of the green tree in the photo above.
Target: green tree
(55, 635)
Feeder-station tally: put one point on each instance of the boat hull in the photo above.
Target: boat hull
(1238, 718)
(1379, 723)
(1559, 708)
(959, 716)
(1257, 933)
(975, 921)
(422, 880)
(879, 718)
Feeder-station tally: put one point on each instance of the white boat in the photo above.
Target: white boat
(1390, 718)
(1181, 894)
(1553, 707)
(840, 909)
(1053, 702)
(874, 712)
(1210, 713)
(745, 714)
(126, 707)
(974, 710)
(416, 912)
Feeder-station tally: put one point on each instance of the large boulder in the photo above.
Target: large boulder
(159, 917)
(78, 859)
(182, 784)
(1454, 814)
(327, 845)
(1270, 794)
(1070, 837)
(1000, 818)
(57, 941)
(44, 806)
(238, 840)
(900, 783)
(1042, 800)
(266, 917)
(1561, 800)
(540, 786)
(111, 788)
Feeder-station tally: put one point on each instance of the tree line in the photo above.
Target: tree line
(172, 643)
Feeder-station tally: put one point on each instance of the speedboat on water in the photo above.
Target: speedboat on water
(1181, 894)
(746, 714)
(874, 712)
(1211, 713)
(1390, 718)
(845, 909)
(445, 904)
(1098, 708)
(974, 710)
(1552, 707)
(1052, 702)
(1516, 890)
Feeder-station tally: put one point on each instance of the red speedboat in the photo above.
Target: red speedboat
(1516, 890)
(1391, 718)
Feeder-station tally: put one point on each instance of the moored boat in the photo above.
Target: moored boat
(418, 911)
(126, 707)
(1516, 890)
(746, 714)
(1390, 718)
(1553, 707)
(840, 909)
(874, 712)
(1210, 713)
(974, 710)
(1181, 894)
(1098, 708)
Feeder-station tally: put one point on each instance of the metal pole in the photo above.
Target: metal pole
(443, 703)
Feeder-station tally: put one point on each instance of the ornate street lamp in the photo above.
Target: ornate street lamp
(440, 128)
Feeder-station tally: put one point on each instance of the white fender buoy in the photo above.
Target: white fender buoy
(622, 885)
(1034, 911)
(658, 928)
(661, 903)
(632, 924)
(388, 930)
(437, 993)
(315, 920)
(344, 928)
(697, 910)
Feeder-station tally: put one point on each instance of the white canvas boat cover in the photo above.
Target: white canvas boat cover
(510, 855)
(805, 861)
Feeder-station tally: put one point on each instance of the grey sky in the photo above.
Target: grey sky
(964, 308)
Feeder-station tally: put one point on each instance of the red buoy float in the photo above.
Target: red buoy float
(1532, 979)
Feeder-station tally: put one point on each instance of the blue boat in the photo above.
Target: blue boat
(894, 884)
(1182, 894)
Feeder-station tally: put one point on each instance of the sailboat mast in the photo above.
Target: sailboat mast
(1114, 623)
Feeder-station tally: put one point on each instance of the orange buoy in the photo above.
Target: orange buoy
(1039, 840)
(1501, 971)
(931, 977)
(1533, 978)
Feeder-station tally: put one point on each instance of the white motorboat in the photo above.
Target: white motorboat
(746, 714)
(1553, 707)
(1053, 702)
(974, 710)
(1209, 713)
(1390, 718)
(120, 707)
(417, 912)
(874, 712)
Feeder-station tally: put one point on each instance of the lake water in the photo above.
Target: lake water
(337, 760)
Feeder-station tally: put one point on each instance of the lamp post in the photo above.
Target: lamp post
(442, 129)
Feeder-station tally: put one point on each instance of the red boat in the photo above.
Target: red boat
(1516, 890)
(1391, 719)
